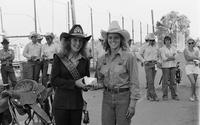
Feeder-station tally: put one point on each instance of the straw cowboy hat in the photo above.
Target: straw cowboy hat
(150, 36)
(115, 28)
(49, 35)
(33, 34)
(76, 31)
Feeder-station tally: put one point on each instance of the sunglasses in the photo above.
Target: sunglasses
(191, 43)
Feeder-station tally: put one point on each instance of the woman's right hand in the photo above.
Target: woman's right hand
(79, 83)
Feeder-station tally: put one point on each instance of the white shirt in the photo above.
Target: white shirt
(165, 54)
(49, 50)
(32, 49)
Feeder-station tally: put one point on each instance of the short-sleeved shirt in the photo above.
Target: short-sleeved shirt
(149, 53)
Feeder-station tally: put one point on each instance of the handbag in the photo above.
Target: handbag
(75, 74)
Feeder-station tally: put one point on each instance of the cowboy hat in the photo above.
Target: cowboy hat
(5, 41)
(39, 37)
(49, 35)
(115, 28)
(150, 36)
(33, 34)
(75, 31)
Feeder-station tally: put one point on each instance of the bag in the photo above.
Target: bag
(75, 74)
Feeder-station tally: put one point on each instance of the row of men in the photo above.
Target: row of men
(38, 55)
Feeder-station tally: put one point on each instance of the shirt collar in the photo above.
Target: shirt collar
(120, 52)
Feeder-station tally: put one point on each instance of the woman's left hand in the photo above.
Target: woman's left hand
(130, 113)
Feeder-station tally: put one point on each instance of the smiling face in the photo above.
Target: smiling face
(114, 40)
(76, 44)
(191, 43)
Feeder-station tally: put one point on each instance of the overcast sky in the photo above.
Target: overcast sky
(18, 14)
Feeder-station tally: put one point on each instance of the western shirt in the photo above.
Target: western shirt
(149, 53)
(49, 50)
(121, 71)
(7, 53)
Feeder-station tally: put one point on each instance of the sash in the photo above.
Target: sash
(71, 67)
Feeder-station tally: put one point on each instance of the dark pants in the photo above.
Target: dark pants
(31, 70)
(150, 77)
(169, 80)
(8, 72)
(5, 117)
(67, 117)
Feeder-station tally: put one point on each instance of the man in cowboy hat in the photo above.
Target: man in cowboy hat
(39, 38)
(150, 57)
(32, 52)
(48, 50)
(7, 56)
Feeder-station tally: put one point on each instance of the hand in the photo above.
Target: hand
(79, 83)
(6, 93)
(130, 112)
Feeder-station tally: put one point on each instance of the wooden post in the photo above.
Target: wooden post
(73, 12)
(2, 28)
(152, 21)
(140, 33)
(147, 28)
(35, 16)
(92, 37)
(109, 18)
(133, 31)
(68, 16)
(122, 22)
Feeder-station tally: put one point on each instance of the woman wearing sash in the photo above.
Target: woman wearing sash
(69, 68)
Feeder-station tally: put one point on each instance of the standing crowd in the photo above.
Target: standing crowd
(64, 67)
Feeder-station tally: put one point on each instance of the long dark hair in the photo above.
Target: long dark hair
(65, 49)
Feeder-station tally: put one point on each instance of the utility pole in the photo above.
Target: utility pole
(109, 18)
(2, 28)
(35, 16)
(140, 33)
(68, 15)
(152, 21)
(73, 12)
(92, 37)
(133, 31)
(122, 22)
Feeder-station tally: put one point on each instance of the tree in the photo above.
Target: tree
(170, 24)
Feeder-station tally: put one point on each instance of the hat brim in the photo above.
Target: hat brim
(67, 36)
(123, 33)
(4, 42)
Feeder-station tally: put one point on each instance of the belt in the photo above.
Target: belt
(152, 61)
(49, 60)
(116, 90)
(6, 65)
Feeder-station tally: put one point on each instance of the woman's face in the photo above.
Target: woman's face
(167, 42)
(114, 40)
(76, 44)
(191, 43)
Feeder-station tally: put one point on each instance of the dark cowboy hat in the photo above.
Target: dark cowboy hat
(5, 41)
(76, 31)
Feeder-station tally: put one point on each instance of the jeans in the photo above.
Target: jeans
(169, 80)
(8, 72)
(114, 108)
(31, 70)
(150, 77)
